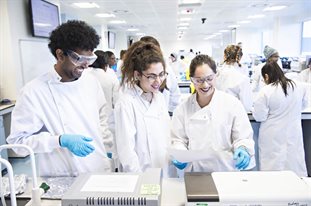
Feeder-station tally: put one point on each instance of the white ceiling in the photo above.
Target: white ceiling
(160, 18)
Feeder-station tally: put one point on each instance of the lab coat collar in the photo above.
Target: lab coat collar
(205, 112)
(55, 77)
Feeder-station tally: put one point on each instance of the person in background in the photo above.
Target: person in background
(170, 87)
(141, 118)
(61, 115)
(212, 121)
(271, 55)
(119, 64)
(110, 85)
(178, 67)
(230, 80)
(278, 108)
(245, 61)
(305, 75)
(112, 62)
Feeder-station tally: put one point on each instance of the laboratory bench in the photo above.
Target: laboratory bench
(173, 193)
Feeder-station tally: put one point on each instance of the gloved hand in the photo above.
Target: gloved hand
(242, 158)
(77, 144)
(109, 155)
(180, 165)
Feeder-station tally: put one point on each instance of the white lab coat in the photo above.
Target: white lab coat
(305, 75)
(110, 85)
(280, 139)
(142, 131)
(231, 81)
(257, 80)
(48, 108)
(172, 95)
(219, 128)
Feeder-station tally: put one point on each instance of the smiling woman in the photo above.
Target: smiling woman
(211, 120)
(141, 117)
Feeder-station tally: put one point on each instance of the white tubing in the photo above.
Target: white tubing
(11, 180)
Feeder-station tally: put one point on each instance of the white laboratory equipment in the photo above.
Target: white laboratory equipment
(36, 190)
(265, 188)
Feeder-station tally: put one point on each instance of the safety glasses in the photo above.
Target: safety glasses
(78, 60)
(153, 77)
(201, 80)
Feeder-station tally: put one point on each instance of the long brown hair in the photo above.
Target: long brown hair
(276, 76)
(138, 58)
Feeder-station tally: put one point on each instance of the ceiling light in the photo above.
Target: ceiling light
(182, 27)
(86, 5)
(132, 29)
(209, 37)
(189, 1)
(105, 15)
(274, 8)
(224, 31)
(234, 26)
(140, 34)
(244, 22)
(185, 19)
(258, 16)
(117, 22)
(183, 24)
(216, 34)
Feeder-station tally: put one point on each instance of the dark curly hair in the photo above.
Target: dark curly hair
(138, 58)
(200, 60)
(73, 35)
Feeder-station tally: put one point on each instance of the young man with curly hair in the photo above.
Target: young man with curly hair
(61, 114)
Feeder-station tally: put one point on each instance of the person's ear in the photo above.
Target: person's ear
(266, 78)
(60, 55)
(137, 75)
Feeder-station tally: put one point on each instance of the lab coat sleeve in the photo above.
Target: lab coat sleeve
(125, 136)
(306, 92)
(256, 78)
(242, 132)
(115, 92)
(174, 92)
(178, 132)
(261, 109)
(106, 134)
(245, 95)
(27, 127)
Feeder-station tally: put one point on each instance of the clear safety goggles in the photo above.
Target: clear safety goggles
(201, 80)
(153, 77)
(80, 59)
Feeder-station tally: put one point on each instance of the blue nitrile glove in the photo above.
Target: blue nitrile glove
(180, 165)
(77, 144)
(109, 155)
(242, 158)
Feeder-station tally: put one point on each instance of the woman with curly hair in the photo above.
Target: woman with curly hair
(141, 117)
(233, 82)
